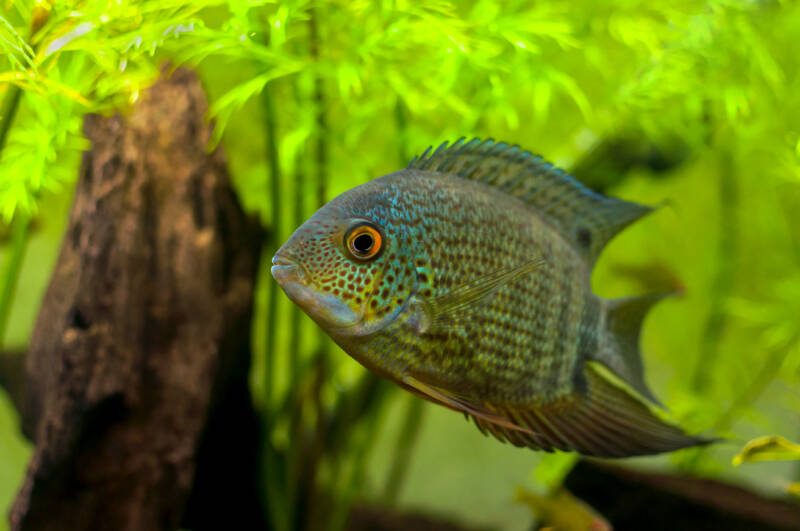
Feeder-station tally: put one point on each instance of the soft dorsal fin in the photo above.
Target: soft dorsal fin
(587, 219)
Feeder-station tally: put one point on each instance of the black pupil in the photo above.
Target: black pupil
(363, 243)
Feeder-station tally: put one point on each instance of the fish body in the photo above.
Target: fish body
(465, 278)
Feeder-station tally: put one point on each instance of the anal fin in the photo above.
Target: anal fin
(453, 402)
(608, 421)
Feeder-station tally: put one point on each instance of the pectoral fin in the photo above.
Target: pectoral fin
(441, 309)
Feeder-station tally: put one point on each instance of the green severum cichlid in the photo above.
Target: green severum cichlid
(464, 278)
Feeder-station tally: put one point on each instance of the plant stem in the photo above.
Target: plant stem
(726, 249)
(299, 179)
(361, 407)
(355, 478)
(8, 111)
(409, 433)
(752, 392)
(275, 236)
(717, 320)
(754, 389)
(19, 235)
(313, 500)
(11, 270)
(402, 132)
(321, 148)
(296, 427)
(321, 119)
(278, 512)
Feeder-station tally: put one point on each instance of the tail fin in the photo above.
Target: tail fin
(624, 319)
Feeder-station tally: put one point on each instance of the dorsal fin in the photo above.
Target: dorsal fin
(586, 218)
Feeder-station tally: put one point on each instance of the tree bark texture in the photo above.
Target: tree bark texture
(142, 341)
(635, 499)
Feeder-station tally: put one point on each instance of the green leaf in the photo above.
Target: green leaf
(553, 468)
(13, 45)
(769, 448)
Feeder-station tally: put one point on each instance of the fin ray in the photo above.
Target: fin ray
(440, 309)
(453, 402)
(607, 422)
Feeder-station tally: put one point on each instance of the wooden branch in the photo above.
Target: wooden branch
(634, 499)
(144, 329)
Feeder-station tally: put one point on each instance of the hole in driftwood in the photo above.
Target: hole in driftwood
(79, 320)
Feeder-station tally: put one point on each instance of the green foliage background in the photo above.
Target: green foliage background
(692, 104)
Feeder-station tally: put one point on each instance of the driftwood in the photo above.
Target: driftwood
(139, 358)
(632, 499)
(12, 375)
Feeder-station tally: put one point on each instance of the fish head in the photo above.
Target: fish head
(350, 266)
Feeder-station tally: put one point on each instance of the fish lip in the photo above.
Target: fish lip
(324, 308)
(328, 312)
(286, 270)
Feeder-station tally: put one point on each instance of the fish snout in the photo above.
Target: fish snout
(286, 270)
(327, 310)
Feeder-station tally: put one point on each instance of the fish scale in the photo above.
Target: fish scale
(474, 293)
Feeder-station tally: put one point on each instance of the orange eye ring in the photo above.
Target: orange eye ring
(364, 241)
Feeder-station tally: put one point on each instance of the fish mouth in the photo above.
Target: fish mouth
(285, 270)
(326, 309)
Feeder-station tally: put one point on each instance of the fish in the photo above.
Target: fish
(465, 279)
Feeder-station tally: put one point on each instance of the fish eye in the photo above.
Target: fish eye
(364, 241)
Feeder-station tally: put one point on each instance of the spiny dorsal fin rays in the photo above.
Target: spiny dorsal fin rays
(587, 219)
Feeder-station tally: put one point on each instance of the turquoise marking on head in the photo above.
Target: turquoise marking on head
(345, 292)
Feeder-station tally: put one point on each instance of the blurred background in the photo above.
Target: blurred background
(690, 105)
